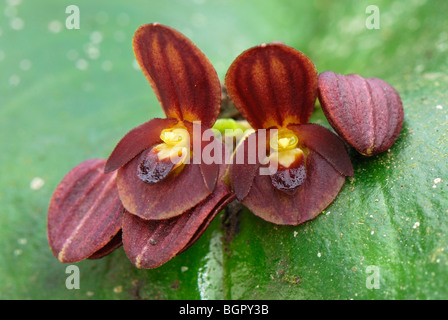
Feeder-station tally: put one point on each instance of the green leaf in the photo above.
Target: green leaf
(69, 95)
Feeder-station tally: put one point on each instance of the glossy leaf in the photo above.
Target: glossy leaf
(60, 108)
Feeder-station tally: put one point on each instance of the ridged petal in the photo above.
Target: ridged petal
(151, 243)
(273, 85)
(85, 212)
(181, 76)
(384, 95)
(366, 112)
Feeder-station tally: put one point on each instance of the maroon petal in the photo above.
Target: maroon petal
(182, 77)
(137, 140)
(149, 243)
(246, 164)
(320, 188)
(114, 244)
(273, 85)
(366, 112)
(85, 212)
(391, 122)
(178, 192)
(204, 152)
(326, 144)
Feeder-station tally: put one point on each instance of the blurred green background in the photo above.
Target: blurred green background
(69, 95)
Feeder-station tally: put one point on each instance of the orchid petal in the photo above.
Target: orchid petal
(273, 85)
(137, 140)
(115, 243)
(246, 164)
(85, 212)
(320, 188)
(183, 79)
(327, 144)
(209, 163)
(366, 112)
(151, 243)
(178, 192)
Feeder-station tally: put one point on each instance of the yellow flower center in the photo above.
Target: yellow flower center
(283, 141)
(175, 136)
(176, 145)
(285, 151)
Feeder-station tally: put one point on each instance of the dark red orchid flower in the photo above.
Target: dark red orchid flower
(155, 194)
(274, 87)
(188, 88)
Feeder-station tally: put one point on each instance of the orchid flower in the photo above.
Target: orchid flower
(274, 87)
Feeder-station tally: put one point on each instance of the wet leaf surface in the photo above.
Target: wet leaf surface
(70, 95)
